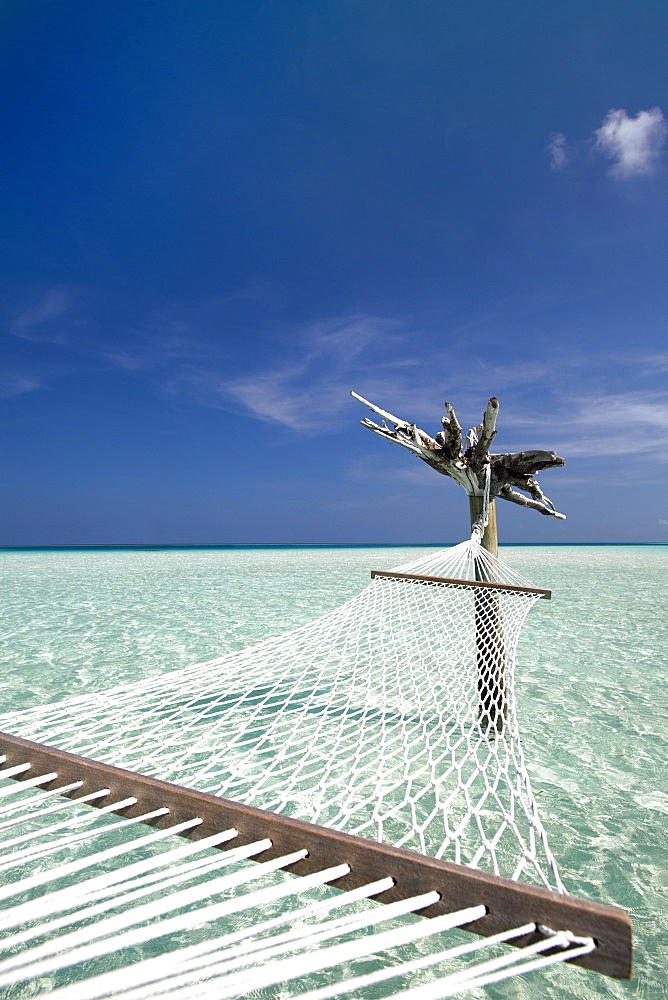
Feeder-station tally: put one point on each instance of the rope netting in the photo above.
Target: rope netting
(393, 717)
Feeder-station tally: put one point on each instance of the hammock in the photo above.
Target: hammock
(393, 719)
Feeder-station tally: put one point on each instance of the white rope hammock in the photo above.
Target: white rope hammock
(368, 720)
(392, 718)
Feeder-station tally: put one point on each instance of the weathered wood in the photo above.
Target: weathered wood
(489, 538)
(450, 438)
(446, 581)
(467, 466)
(509, 903)
(480, 438)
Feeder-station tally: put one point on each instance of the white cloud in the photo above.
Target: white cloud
(557, 150)
(663, 521)
(633, 144)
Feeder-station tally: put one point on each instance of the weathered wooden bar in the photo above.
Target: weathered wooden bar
(509, 903)
(465, 584)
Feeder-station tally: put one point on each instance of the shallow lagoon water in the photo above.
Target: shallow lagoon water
(591, 685)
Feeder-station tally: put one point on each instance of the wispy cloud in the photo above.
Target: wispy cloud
(379, 468)
(563, 402)
(131, 361)
(149, 350)
(557, 150)
(652, 364)
(349, 505)
(633, 144)
(582, 406)
(17, 385)
(307, 391)
(178, 336)
(630, 425)
(35, 322)
(385, 361)
(265, 293)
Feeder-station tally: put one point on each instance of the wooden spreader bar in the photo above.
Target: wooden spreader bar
(445, 581)
(509, 903)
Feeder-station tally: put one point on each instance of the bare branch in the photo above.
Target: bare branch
(381, 413)
(533, 487)
(507, 493)
(522, 463)
(389, 435)
(450, 438)
(452, 416)
(481, 437)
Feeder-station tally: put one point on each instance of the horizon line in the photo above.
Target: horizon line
(106, 546)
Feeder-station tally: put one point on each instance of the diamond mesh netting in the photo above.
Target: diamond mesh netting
(393, 717)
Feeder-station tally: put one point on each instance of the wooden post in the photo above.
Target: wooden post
(490, 539)
(490, 651)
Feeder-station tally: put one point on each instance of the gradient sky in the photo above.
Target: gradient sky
(220, 217)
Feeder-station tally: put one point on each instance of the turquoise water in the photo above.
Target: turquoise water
(592, 696)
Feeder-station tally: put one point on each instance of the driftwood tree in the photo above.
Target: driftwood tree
(470, 463)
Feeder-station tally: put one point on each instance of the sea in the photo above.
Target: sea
(591, 685)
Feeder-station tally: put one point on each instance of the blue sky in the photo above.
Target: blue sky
(220, 217)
